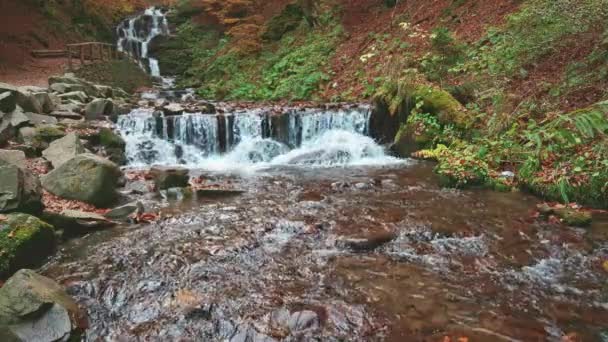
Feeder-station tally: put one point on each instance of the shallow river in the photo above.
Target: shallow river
(342, 254)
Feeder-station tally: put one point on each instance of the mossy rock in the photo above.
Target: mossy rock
(44, 135)
(25, 241)
(440, 103)
(573, 217)
(109, 139)
(408, 140)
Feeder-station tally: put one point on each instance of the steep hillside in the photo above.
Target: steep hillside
(526, 75)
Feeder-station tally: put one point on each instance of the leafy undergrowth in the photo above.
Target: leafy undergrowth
(122, 74)
(286, 58)
(563, 157)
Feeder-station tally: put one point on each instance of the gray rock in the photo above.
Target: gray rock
(123, 212)
(13, 157)
(97, 108)
(137, 187)
(86, 177)
(84, 221)
(19, 190)
(303, 320)
(105, 91)
(35, 308)
(26, 135)
(45, 101)
(169, 177)
(8, 102)
(64, 149)
(119, 93)
(18, 118)
(79, 96)
(39, 119)
(247, 333)
(23, 98)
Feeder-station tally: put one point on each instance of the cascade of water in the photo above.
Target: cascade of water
(317, 137)
(136, 34)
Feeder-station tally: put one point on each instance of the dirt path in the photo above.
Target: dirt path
(33, 72)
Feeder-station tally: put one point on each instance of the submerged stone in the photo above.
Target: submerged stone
(170, 177)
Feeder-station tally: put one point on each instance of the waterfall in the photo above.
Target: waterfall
(253, 137)
(136, 34)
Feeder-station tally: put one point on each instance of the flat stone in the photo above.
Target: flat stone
(13, 157)
(64, 114)
(98, 108)
(64, 149)
(79, 96)
(39, 119)
(18, 118)
(173, 109)
(366, 242)
(123, 212)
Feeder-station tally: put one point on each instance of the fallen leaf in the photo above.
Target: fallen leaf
(605, 265)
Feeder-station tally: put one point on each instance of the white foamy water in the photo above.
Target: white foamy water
(136, 34)
(310, 139)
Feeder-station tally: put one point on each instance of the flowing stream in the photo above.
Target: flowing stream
(331, 239)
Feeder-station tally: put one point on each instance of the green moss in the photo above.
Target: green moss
(107, 138)
(24, 242)
(122, 74)
(573, 217)
(286, 21)
(45, 135)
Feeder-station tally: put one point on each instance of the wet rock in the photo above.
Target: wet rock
(8, 102)
(114, 146)
(169, 177)
(98, 108)
(64, 149)
(173, 109)
(247, 333)
(573, 217)
(19, 189)
(26, 135)
(78, 96)
(303, 320)
(322, 157)
(35, 308)
(367, 242)
(123, 212)
(86, 178)
(213, 193)
(25, 241)
(13, 157)
(139, 187)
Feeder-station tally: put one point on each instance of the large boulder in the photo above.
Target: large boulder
(34, 308)
(19, 190)
(97, 108)
(70, 83)
(13, 157)
(25, 242)
(23, 97)
(8, 102)
(45, 101)
(87, 178)
(64, 149)
(169, 177)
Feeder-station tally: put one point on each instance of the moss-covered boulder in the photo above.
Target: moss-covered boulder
(25, 241)
(395, 102)
(87, 178)
(35, 308)
(114, 145)
(573, 217)
(44, 135)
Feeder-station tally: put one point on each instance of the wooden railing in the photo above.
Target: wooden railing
(91, 51)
